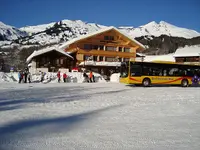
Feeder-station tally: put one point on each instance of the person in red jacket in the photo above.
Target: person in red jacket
(58, 75)
(64, 77)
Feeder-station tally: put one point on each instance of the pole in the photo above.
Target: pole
(199, 58)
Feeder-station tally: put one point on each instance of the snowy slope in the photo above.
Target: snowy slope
(98, 116)
(8, 33)
(157, 29)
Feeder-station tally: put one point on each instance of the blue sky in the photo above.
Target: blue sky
(183, 13)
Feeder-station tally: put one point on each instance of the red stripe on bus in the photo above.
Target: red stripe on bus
(135, 80)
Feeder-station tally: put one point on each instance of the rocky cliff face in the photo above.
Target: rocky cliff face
(165, 44)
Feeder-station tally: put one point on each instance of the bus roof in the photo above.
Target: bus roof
(169, 62)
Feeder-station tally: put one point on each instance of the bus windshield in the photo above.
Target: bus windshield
(124, 70)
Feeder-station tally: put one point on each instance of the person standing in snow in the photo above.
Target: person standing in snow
(41, 77)
(20, 76)
(85, 76)
(91, 76)
(25, 75)
(29, 77)
(64, 77)
(58, 75)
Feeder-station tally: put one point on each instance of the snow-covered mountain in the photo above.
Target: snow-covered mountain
(161, 28)
(78, 24)
(8, 33)
(65, 30)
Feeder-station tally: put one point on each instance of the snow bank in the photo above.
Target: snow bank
(73, 77)
(114, 77)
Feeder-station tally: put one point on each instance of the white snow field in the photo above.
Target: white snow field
(83, 116)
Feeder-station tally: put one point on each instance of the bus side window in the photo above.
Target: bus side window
(136, 70)
(173, 72)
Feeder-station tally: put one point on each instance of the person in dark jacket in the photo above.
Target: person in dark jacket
(64, 77)
(85, 77)
(58, 75)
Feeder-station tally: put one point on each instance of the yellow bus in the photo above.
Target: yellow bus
(166, 73)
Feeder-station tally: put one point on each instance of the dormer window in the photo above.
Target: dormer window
(109, 38)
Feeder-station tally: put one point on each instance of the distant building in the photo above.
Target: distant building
(188, 55)
(101, 51)
(48, 59)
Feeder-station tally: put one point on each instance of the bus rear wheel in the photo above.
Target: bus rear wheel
(184, 83)
(146, 82)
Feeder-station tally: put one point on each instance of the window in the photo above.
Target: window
(110, 38)
(110, 59)
(57, 61)
(136, 70)
(94, 58)
(95, 47)
(88, 46)
(101, 47)
(173, 72)
(120, 49)
(124, 70)
(126, 49)
(61, 61)
(100, 58)
(86, 57)
(110, 48)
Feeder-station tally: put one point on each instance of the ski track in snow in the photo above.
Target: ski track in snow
(98, 116)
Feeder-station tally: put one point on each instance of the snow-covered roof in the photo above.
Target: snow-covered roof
(102, 63)
(188, 51)
(45, 50)
(65, 45)
(140, 54)
(154, 58)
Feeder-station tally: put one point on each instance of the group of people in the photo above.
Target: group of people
(89, 78)
(24, 76)
(64, 77)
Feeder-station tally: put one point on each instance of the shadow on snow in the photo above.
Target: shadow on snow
(26, 129)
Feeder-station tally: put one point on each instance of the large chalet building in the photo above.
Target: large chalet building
(100, 51)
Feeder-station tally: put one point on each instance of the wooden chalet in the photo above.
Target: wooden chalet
(102, 51)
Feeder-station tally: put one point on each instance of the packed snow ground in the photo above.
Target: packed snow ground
(98, 116)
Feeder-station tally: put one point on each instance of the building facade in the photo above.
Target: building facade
(102, 51)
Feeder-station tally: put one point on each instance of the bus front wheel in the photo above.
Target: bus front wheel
(184, 83)
(146, 82)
